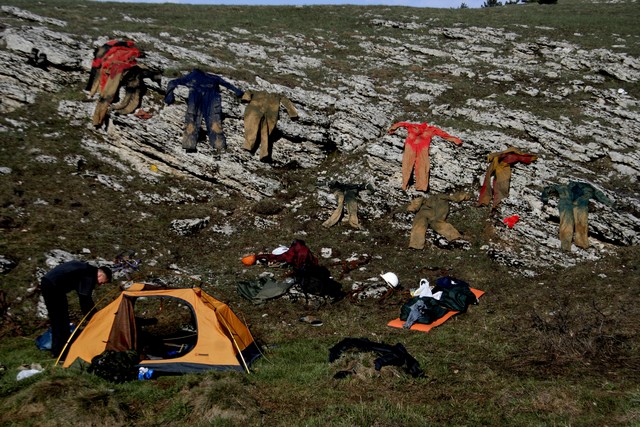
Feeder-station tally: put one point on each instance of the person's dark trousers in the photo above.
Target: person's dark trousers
(58, 309)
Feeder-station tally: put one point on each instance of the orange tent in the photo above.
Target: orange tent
(220, 341)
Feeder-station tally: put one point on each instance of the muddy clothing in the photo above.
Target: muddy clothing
(118, 61)
(308, 274)
(432, 211)
(98, 54)
(298, 256)
(500, 165)
(389, 355)
(261, 117)
(75, 276)
(135, 88)
(347, 195)
(416, 151)
(573, 207)
(204, 102)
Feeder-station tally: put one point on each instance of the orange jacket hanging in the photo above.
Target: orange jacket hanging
(416, 151)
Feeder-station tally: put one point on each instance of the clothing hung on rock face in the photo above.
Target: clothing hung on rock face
(98, 54)
(55, 285)
(500, 165)
(432, 211)
(205, 101)
(116, 62)
(347, 195)
(260, 118)
(135, 89)
(416, 151)
(390, 355)
(573, 207)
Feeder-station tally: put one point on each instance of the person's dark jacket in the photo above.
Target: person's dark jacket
(74, 276)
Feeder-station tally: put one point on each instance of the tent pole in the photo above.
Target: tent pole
(244, 363)
(79, 324)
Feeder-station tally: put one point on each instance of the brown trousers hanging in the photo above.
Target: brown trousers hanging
(349, 199)
(574, 226)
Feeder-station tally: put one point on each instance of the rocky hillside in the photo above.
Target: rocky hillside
(345, 113)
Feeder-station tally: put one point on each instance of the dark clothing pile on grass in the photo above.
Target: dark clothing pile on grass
(312, 278)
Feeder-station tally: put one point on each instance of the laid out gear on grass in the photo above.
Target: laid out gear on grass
(204, 102)
(432, 211)
(573, 207)
(455, 296)
(249, 260)
(389, 355)
(262, 289)
(260, 118)
(298, 256)
(312, 278)
(416, 151)
(390, 279)
(347, 195)
(500, 165)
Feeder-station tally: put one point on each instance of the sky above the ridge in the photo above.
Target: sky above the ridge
(411, 3)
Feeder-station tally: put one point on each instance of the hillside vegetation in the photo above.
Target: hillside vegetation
(554, 340)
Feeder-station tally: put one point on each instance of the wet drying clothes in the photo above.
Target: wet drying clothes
(416, 151)
(260, 118)
(573, 207)
(71, 276)
(500, 165)
(432, 211)
(134, 88)
(98, 54)
(204, 102)
(347, 195)
(118, 61)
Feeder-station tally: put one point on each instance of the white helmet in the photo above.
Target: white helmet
(390, 278)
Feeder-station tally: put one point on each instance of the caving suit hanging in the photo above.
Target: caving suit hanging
(98, 54)
(347, 195)
(573, 207)
(205, 102)
(432, 211)
(115, 63)
(416, 151)
(134, 88)
(260, 118)
(500, 165)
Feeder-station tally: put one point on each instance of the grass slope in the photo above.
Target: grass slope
(557, 349)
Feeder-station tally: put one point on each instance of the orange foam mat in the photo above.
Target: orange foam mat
(397, 323)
